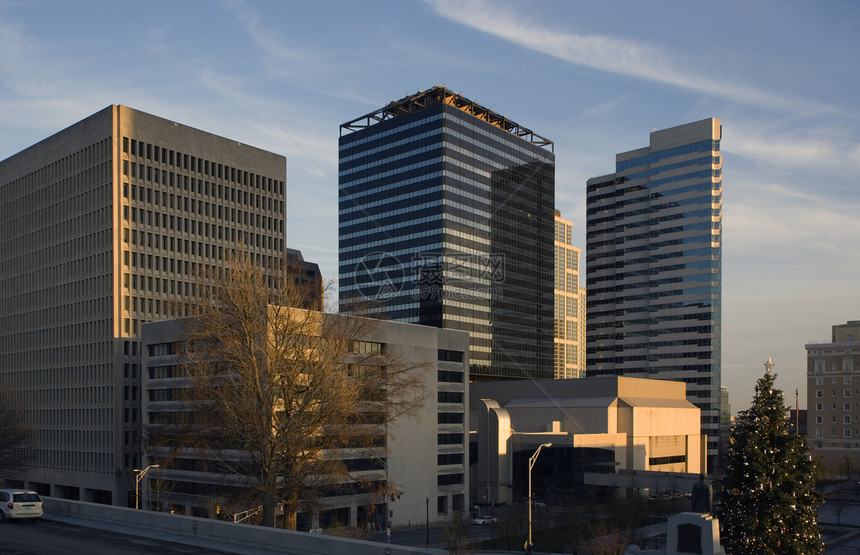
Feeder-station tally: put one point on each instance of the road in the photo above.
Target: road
(44, 537)
(419, 536)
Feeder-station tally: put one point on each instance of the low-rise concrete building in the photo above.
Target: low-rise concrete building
(425, 454)
(609, 431)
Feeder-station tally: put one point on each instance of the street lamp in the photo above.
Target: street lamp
(487, 435)
(138, 478)
(427, 543)
(532, 461)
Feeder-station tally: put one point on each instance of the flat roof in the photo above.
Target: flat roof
(441, 95)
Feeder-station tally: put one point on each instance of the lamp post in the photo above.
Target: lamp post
(487, 435)
(138, 478)
(427, 501)
(532, 461)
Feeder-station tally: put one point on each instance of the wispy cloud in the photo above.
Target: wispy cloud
(265, 37)
(812, 147)
(612, 54)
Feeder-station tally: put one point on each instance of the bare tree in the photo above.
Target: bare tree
(283, 395)
(16, 433)
(605, 540)
(457, 533)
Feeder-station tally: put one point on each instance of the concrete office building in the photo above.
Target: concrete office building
(606, 431)
(446, 220)
(569, 304)
(106, 225)
(654, 251)
(425, 455)
(308, 279)
(833, 400)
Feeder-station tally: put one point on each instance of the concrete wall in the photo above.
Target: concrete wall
(216, 534)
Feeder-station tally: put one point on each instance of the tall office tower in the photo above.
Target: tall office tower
(833, 413)
(446, 219)
(569, 319)
(106, 225)
(653, 252)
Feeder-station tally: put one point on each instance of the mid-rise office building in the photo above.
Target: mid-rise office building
(446, 219)
(424, 455)
(833, 400)
(105, 225)
(653, 252)
(569, 304)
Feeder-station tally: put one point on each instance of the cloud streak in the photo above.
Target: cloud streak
(606, 53)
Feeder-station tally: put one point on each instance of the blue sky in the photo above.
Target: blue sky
(595, 78)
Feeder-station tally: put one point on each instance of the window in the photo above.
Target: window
(819, 393)
(449, 418)
(846, 432)
(846, 406)
(450, 377)
(846, 419)
(450, 458)
(846, 379)
(819, 406)
(450, 356)
(819, 419)
(847, 393)
(161, 349)
(366, 347)
(450, 397)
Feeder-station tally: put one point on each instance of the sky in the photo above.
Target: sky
(594, 77)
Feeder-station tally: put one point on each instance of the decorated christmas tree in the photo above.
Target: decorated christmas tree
(767, 503)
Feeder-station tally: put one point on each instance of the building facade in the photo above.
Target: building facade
(833, 400)
(654, 251)
(424, 457)
(446, 220)
(106, 225)
(569, 304)
(606, 431)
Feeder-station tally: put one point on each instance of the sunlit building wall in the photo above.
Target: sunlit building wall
(569, 329)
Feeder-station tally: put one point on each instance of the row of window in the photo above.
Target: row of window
(200, 165)
(819, 393)
(846, 419)
(820, 406)
(176, 224)
(846, 433)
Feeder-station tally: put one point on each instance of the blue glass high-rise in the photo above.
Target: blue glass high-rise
(654, 253)
(446, 219)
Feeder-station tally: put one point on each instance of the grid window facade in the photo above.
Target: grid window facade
(654, 253)
(447, 220)
(104, 226)
(569, 324)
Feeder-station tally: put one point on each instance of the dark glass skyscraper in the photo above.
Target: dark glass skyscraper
(654, 251)
(446, 219)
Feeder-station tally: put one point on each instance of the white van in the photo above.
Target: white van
(19, 503)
